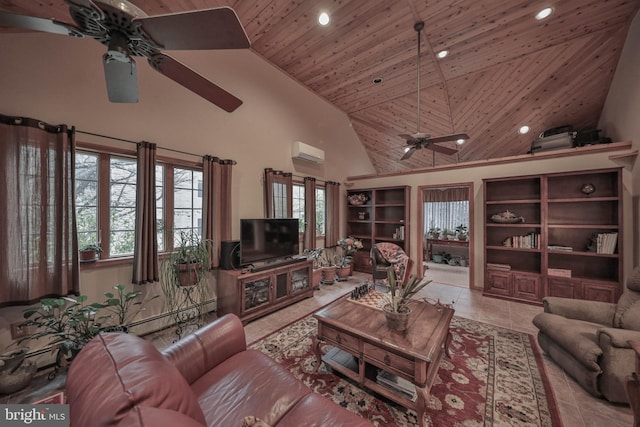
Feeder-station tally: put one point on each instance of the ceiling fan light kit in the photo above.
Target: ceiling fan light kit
(422, 140)
(128, 31)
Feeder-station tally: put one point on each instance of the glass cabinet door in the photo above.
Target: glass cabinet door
(299, 279)
(256, 293)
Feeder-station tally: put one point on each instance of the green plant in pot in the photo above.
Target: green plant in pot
(69, 323)
(314, 255)
(462, 232)
(396, 301)
(89, 253)
(184, 280)
(124, 306)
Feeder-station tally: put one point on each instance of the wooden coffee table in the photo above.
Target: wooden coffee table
(365, 345)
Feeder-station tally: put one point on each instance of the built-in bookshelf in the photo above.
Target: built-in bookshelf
(383, 217)
(565, 238)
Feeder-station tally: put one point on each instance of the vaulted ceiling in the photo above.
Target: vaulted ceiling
(504, 68)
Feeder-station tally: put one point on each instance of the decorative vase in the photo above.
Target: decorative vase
(397, 321)
(15, 373)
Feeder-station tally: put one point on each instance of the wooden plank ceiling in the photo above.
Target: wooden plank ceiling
(504, 69)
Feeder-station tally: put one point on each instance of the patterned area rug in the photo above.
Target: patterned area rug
(496, 378)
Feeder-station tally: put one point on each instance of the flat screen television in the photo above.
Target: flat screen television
(268, 239)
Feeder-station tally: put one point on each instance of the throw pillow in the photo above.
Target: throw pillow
(252, 421)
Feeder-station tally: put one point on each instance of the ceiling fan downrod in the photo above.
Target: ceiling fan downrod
(418, 26)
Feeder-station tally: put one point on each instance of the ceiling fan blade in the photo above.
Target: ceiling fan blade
(409, 138)
(440, 148)
(38, 24)
(453, 137)
(217, 28)
(409, 153)
(193, 81)
(122, 79)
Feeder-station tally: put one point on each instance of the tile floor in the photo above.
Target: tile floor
(577, 408)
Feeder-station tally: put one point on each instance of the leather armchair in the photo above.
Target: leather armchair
(589, 339)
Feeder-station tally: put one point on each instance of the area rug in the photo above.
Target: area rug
(495, 378)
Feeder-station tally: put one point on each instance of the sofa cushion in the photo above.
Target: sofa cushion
(576, 337)
(627, 315)
(314, 410)
(125, 371)
(248, 383)
(145, 416)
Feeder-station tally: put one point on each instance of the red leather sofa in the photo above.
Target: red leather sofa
(208, 378)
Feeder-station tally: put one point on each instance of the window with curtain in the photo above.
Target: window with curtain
(299, 205)
(320, 211)
(106, 214)
(39, 253)
(187, 210)
(446, 208)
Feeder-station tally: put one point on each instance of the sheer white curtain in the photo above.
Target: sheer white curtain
(446, 208)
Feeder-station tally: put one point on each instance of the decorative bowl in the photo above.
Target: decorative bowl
(357, 199)
(507, 217)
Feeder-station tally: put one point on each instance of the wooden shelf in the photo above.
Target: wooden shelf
(386, 211)
(564, 216)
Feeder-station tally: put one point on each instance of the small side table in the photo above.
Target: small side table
(633, 385)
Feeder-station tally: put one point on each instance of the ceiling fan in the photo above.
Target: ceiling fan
(128, 31)
(422, 140)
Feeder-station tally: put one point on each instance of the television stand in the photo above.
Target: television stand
(260, 292)
(278, 263)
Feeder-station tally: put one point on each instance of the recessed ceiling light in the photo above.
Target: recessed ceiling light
(544, 13)
(323, 18)
(524, 129)
(460, 141)
(377, 80)
(443, 53)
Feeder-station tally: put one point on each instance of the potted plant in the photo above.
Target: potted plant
(69, 322)
(349, 245)
(462, 232)
(314, 255)
(120, 304)
(396, 308)
(89, 253)
(328, 267)
(433, 232)
(184, 280)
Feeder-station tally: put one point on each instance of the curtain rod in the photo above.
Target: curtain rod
(317, 179)
(136, 142)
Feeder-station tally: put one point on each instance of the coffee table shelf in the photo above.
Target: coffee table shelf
(360, 331)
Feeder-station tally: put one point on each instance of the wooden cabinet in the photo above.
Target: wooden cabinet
(384, 217)
(255, 294)
(553, 249)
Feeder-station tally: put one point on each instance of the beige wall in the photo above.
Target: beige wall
(60, 79)
(620, 118)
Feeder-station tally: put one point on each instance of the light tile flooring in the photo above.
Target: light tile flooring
(577, 408)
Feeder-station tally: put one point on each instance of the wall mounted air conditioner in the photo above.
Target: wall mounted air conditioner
(302, 151)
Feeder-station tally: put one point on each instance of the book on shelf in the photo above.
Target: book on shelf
(559, 272)
(500, 267)
(555, 247)
(606, 242)
(529, 241)
(397, 384)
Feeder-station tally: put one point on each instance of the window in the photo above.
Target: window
(298, 205)
(446, 215)
(279, 200)
(320, 211)
(106, 213)
(87, 198)
(187, 210)
(122, 206)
